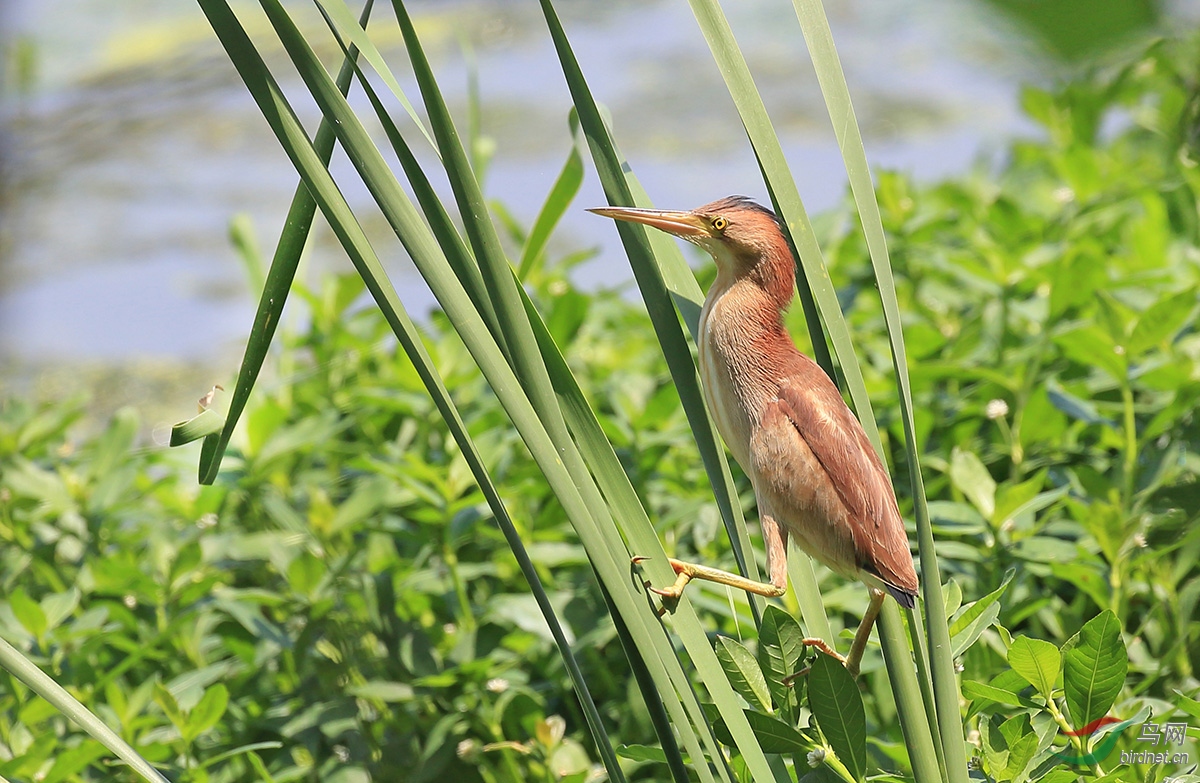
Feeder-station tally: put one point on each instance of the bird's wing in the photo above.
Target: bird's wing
(821, 418)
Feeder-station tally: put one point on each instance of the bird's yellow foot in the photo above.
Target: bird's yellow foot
(686, 572)
(824, 647)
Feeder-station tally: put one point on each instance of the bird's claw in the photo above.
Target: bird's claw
(791, 678)
(823, 646)
(669, 594)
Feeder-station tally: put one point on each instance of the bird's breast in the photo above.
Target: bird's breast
(724, 377)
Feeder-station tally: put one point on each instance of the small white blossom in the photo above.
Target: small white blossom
(996, 409)
(815, 757)
(468, 749)
(130, 601)
(1139, 540)
(341, 753)
(497, 685)
(206, 521)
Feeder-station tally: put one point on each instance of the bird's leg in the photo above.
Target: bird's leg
(686, 572)
(775, 538)
(864, 632)
(854, 659)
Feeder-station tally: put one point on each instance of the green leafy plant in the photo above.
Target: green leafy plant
(413, 561)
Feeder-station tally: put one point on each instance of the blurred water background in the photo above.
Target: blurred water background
(128, 143)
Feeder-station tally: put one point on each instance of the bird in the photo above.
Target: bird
(816, 477)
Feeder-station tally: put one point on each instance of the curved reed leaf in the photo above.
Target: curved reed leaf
(278, 282)
(43, 685)
(338, 14)
(560, 462)
(445, 233)
(641, 247)
(819, 39)
(485, 242)
(786, 196)
(666, 324)
(783, 190)
(570, 178)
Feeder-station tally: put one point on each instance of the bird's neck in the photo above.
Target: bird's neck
(742, 335)
(754, 297)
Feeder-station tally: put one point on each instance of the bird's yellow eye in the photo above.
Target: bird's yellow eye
(719, 224)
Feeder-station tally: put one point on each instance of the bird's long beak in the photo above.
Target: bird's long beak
(681, 224)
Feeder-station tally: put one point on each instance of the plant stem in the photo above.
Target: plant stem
(1131, 449)
(1078, 742)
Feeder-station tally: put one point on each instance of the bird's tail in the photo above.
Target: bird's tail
(905, 598)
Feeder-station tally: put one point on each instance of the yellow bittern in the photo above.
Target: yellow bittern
(816, 476)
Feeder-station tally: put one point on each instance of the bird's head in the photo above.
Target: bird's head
(744, 239)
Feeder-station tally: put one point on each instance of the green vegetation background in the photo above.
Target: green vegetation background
(341, 596)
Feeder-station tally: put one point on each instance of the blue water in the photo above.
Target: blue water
(137, 144)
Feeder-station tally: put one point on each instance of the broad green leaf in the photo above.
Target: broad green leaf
(972, 478)
(1187, 704)
(776, 736)
(69, 762)
(780, 651)
(1094, 668)
(384, 691)
(1060, 775)
(962, 641)
(994, 745)
(975, 618)
(836, 704)
(1086, 575)
(1162, 320)
(773, 734)
(1020, 753)
(744, 673)
(170, 707)
(1012, 497)
(1073, 406)
(821, 774)
(1037, 661)
(1091, 347)
(982, 691)
(974, 609)
(28, 612)
(207, 712)
(305, 572)
(952, 596)
(642, 753)
(60, 606)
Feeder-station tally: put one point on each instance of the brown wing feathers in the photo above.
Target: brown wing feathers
(838, 442)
